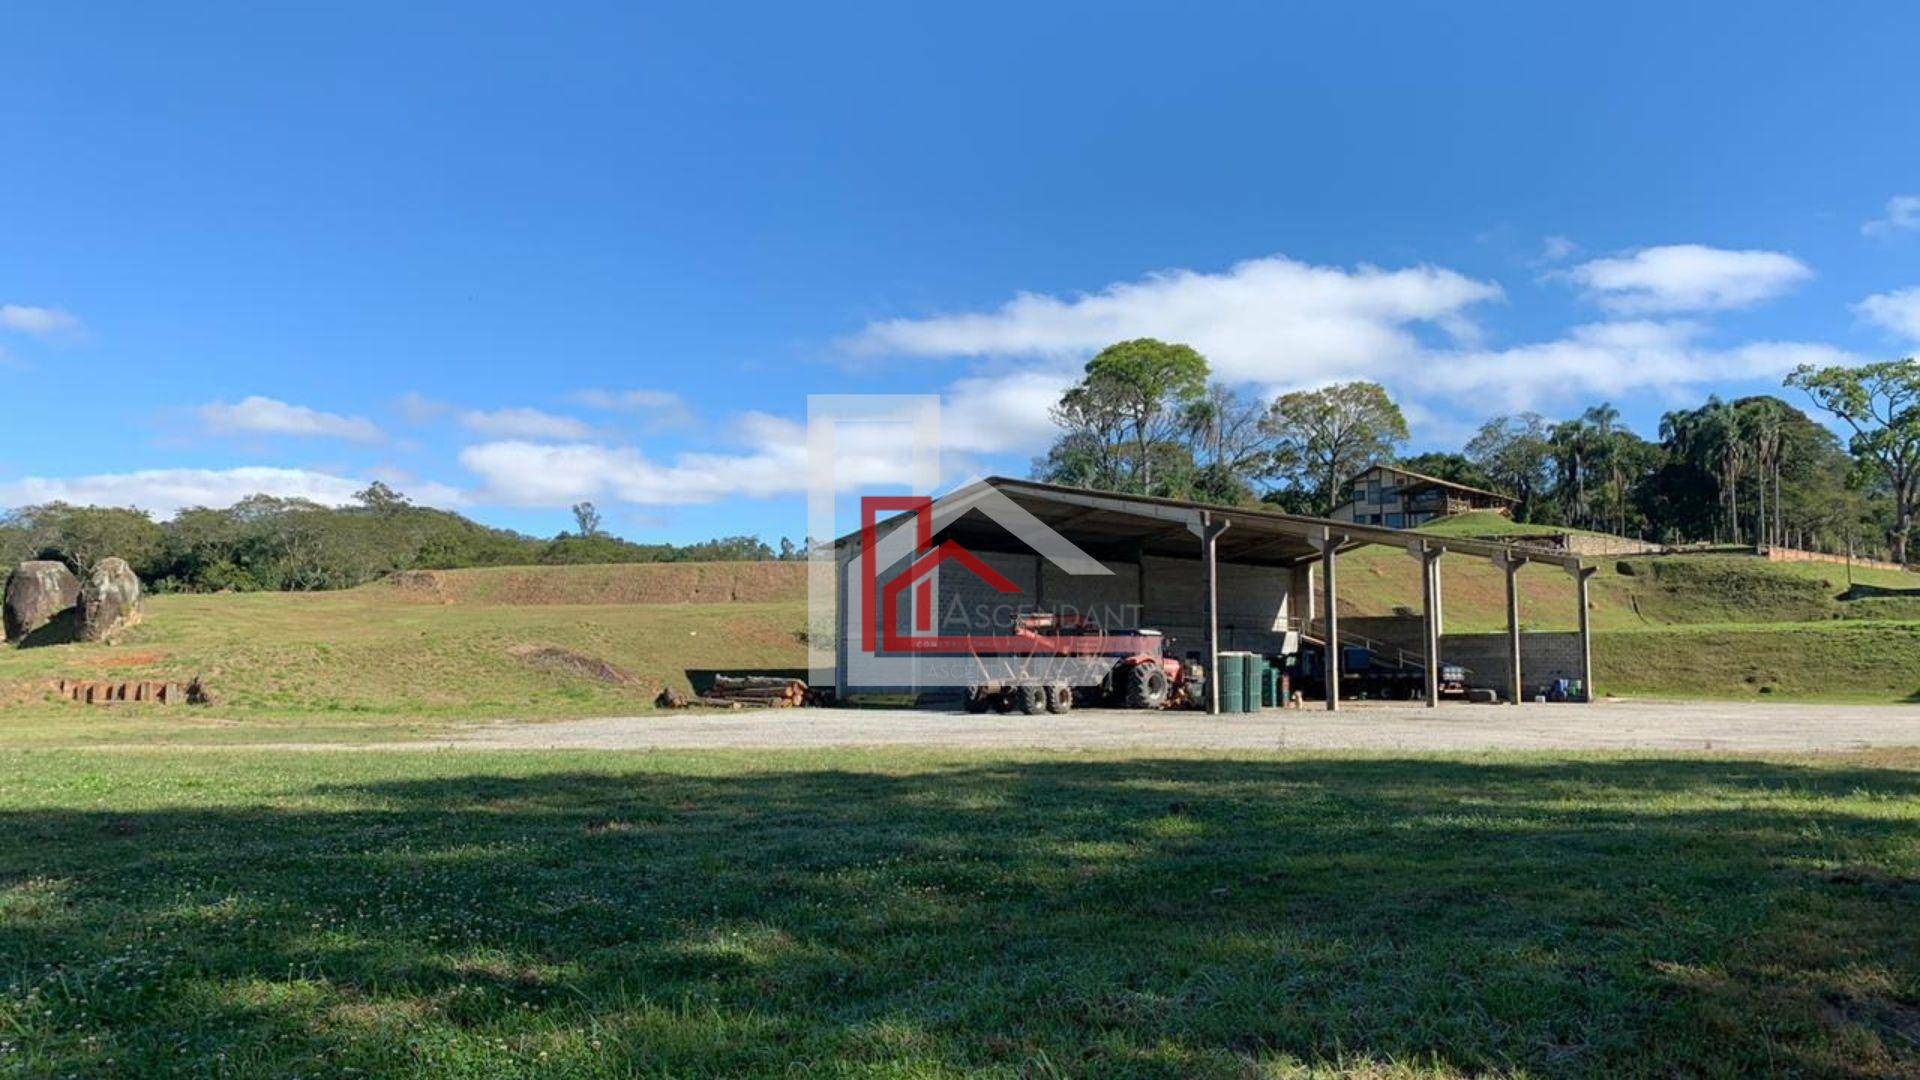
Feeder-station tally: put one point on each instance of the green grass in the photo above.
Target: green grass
(1718, 626)
(371, 663)
(1654, 591)
(383, 663)
(1850, 660)
(249, 913)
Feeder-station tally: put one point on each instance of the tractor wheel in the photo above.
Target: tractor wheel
(977, 699)
(1059, 698)
(1002, 701)
(1033, 699)
(1146, 687)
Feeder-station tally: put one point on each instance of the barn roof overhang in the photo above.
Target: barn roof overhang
(1110, 525)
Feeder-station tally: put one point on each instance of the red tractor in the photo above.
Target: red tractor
(1149, 679)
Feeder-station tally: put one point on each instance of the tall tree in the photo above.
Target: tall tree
(1611, 453)
(586, 518)
(1881, 404)
(1322, 437)
(1087, 453)
(1147, 385)
(1515, 454)
(1574, 448)
(1228, 446)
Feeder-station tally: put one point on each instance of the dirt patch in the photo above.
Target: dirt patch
(558, 661)
(629, 583)
(423, 585)
(143, 658)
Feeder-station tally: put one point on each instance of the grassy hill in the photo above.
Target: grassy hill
(1718, 624)
(405, 657)
(1633, 592)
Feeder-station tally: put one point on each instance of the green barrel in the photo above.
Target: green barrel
(1254, 663)
(1270, 684)
(1233, 682)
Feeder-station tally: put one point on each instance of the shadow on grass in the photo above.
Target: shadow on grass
(1167, 918)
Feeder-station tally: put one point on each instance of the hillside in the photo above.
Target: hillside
(424, 651)
(1707, 625)
(1634, 592)
(622, 583)
(399, 658)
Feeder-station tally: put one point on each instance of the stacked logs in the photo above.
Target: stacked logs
(742, 692)
(99, 692)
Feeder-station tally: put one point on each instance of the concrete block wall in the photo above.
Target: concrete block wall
(1544, 657)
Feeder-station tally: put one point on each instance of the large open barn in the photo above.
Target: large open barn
(1211, 579)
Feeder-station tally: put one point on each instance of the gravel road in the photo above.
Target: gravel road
(1611, 725)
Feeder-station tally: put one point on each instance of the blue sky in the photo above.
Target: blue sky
(508, 257)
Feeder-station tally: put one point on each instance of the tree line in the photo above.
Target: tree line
(267, 543)
(1146, 418)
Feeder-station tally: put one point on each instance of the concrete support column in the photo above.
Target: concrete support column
(1329, 557)
(1512, 564)
(1209, 530)
(1429, 556)
(1581, 575)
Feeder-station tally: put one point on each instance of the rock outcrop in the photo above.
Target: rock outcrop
(39, 594)
(109, 601)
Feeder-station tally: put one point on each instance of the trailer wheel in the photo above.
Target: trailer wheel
(977, 699)
(1059, 698)
(1033, 699)
(1146, 687)
(1002, 701)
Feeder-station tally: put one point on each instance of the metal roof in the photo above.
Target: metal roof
(1426, 479)
(1109, 524)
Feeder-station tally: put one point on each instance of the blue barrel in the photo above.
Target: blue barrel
(1233, 682)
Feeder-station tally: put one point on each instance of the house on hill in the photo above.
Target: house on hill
(1401, 499)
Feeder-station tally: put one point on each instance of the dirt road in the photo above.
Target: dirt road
(1613, 725)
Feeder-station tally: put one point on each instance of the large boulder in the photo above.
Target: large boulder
(38, 593)
(109, 601)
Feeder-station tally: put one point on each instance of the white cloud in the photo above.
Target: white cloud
(1272, 320)
(1903, 215)
(772, 462)
(268, 416)
(661, 409)
(164, 491)
(628, 399)
(523, 424)
(996, 413)
(1687, 277)
(39, 321)
(1555, 249)
(1898, 311)
(1609, 359)
(418, 408)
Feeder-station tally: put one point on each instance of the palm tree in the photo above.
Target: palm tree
(1761, 425)
(1574, 451)
(1601, 419)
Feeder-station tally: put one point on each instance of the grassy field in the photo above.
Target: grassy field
(399, 660)
(379, 662)
(258, 913)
